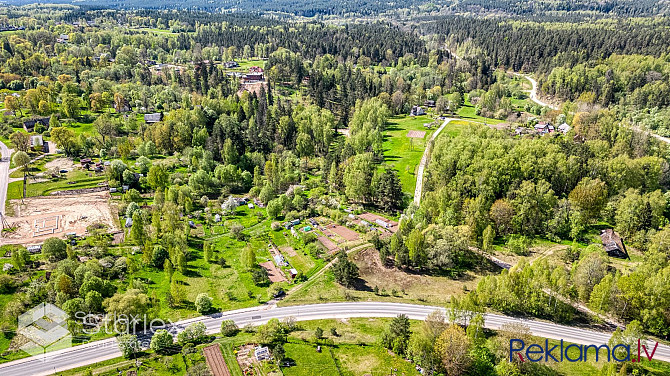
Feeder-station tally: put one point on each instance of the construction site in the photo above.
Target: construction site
(42, 217)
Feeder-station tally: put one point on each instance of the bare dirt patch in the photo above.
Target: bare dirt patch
(416, 134)
(39, 218)
(288, 250)
(332, 247)
(217, 365)
(344, 233)
(60, 164)
(274, 274)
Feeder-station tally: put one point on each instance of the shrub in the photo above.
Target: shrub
(203, 303)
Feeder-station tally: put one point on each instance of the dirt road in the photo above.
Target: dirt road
(4, 175)
(424, 160)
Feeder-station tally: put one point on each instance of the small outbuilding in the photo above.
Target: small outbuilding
(613, 244)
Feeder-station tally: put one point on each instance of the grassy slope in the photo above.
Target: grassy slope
(404, 153)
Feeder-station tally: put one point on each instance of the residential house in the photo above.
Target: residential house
(256, 69)
(253, 77)
(544, 127)
(613, 244)
(417, 111)
(231, 64)
(153, 118)
(564, 128)
(29, 125)
(122, 107)
(429, 103)
(63, 38)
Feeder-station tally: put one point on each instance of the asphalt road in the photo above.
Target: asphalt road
(83, 355)
(4, 175)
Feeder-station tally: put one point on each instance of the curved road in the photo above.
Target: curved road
(533, 96)
(98, 351)
(533, 92)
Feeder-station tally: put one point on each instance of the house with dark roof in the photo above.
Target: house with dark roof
(252, 77)
(29, 125)
(153, 118)
(613, 244)
(417, 111)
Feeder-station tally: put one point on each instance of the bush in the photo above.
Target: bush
(6, 284)
(519, 245)
(129, 345)
(161, 341)
(203, 303)
(260, 277)
(229, 328)
(193, 333)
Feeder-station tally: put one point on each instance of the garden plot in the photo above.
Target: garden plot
(39, 218)
(274, 273)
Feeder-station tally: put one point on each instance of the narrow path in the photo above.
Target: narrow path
(322, 270)
(424, 161)
(4, 174)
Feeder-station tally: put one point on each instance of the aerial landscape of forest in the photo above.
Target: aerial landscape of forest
(471, 187)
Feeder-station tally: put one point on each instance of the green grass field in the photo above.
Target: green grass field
(467, 112)
(404, 153)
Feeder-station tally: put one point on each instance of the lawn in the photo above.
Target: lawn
(76, 179)
(404, 153)
(467, 111)
(245, 64)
